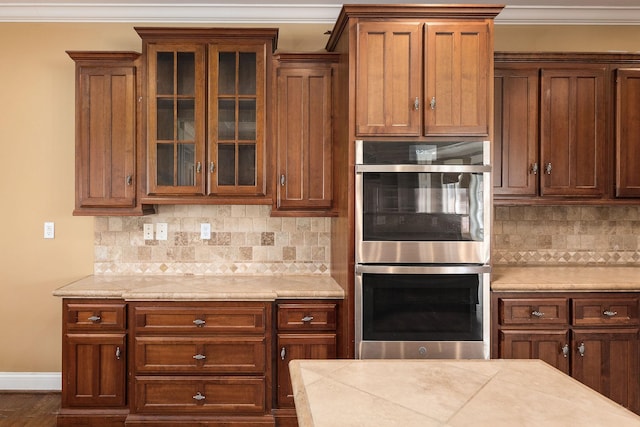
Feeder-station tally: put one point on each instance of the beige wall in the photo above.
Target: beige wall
(37, 162)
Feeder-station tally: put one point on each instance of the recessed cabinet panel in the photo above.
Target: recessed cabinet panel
(627, 135)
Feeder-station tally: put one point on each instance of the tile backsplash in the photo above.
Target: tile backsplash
(579, 235)
(244, 240)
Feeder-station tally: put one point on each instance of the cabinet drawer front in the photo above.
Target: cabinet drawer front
(219, 395)
(609, 311)
(201, 355)
(201, 320)
(95, 316)
(307, 316)
(534, 311)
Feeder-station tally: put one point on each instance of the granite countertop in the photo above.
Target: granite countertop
(426, 393)
(565, 278)
(203, 288)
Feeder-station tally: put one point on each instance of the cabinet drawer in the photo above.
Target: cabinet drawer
(87, 316)
(533, 311)
(201, 355)
(223, 318)
(303, 316)
(601, 312)
(200, 395)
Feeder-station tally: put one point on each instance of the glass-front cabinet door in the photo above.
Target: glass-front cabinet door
(176, 119)
(236, 110)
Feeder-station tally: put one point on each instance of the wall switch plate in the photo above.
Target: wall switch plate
(161, 231)
(147, 230)
(49, 230)
(205, 231)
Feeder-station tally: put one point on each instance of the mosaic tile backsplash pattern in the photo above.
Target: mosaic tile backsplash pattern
(576, 235)
(244, 240)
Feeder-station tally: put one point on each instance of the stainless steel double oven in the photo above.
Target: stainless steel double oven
(423, 213)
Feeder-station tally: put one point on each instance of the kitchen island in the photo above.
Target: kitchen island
(429, 393)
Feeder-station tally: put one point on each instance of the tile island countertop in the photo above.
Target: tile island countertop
(565, 278)
(429, 393)
(203, 288)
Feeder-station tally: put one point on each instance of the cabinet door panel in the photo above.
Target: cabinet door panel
(300, 346)
(457, 70)
(627, 135)
(94, 373)
(547, 345)
(388, 78)
(607, 361)
(573, 132)
(516, 166)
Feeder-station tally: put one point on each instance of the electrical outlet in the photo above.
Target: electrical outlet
(161, 231)
(205, 231)
(147, 230)
(49, 230)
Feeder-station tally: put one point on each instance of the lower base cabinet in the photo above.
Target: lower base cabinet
(158, 363)
(594, 337)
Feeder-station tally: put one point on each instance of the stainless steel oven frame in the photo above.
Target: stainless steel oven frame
(423, 252)
(454, 349)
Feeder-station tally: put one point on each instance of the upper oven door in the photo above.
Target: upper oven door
(422, 202)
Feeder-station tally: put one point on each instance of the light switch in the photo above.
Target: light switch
(161, 231)
(49, 230)
(205, 231)
(147, 230)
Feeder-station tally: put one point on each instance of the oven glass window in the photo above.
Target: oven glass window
(419, 153)
(431, 307)
(422, 206)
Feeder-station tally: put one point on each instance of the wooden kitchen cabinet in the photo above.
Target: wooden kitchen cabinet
(627, 123)
(201, 359)
(305, 330)
(304, 94)
(452, 99)
(107, 117)
(207, 91)
(94, 369)
(593, 338)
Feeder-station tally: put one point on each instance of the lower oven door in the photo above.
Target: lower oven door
(408, 312)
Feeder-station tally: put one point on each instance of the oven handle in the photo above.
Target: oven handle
(424, 168)
(422, 269)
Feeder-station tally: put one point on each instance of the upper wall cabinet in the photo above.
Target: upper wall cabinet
(107, 133)
(627, 127)
(206, 122)
(304, 94)
(426, 76)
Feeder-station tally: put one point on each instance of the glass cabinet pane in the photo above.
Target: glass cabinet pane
(227, 164)
(227, 73)
(247, 73)
(226, 119)
(164, 119)
(247, 164)
(186, 73)
(164, 164)
(186, 120)
(247, 120)
(186, 164)
(164, 78)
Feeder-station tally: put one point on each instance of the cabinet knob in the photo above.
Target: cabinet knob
(433, 103)
(94, 319)
(610, 313)
(199, 397)
(565, 351)
(199, 322)
(547, 168)
(307, 319)
(283, 353)
(581, 349)
(199, 357)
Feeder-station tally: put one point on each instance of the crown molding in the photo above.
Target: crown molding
(283, 13)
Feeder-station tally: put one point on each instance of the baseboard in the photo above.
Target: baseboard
(31, 381)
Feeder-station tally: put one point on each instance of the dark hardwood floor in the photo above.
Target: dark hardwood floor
(28, 409)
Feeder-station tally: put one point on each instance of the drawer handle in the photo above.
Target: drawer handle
(283, 353)
(94, 319)
(610, 313)
(199, 357)
(565, 351)
(199, 397)
(581, 349)
(118, 353)
(307, 319)
(199, 323)
(537, 313)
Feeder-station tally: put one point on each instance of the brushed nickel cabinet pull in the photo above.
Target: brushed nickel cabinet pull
(307, 319)
(433, 103)
(537, 314)
(534, 168)
(129, 180)
(199, 357)
(283, 180)
(565, 351)
(94, 319)
(610, 313)
(199, 397)
(283, 353)
(118, 353)
(198, 167)
(547, 168)
(581, 349)
(416, 104)
(199, 323)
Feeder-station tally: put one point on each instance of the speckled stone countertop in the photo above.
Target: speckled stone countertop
(451, 393)
(565, 278)
(203, 288)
